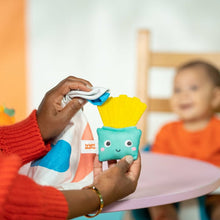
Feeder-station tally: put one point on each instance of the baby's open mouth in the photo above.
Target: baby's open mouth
(185, 106)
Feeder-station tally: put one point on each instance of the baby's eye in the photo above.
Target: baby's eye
(194, 87)
(176, 90)
(107, 143)
(128, 143)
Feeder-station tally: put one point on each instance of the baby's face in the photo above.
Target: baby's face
(193, 95)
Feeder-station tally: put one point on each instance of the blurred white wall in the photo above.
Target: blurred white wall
(96, 40)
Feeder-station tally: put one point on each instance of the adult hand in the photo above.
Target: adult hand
(119, 180)
(51, 116)
(114, 183)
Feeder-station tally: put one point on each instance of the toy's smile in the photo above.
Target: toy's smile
(118, 150)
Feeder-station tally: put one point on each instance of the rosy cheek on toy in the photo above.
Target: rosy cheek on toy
(102, 149)
(133, 148)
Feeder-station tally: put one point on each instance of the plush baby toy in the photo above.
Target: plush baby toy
(119, 136)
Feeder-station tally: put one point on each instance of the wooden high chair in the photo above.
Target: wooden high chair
(148, 59)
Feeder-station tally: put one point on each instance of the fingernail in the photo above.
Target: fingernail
(88, 86)
(81, 101)
(129, 159)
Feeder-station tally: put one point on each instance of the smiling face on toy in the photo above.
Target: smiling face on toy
(115, 143)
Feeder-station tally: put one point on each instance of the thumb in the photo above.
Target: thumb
(72, 108)
(125, 163)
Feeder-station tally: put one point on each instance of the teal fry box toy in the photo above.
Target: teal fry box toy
(119, 136)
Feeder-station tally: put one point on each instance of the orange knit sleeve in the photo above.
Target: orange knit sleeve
(22, 198)
(27, 200)
(23, 139)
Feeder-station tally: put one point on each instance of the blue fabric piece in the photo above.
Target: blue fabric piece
(101, 99)
(115, 143)
(141, 214)
(105, 216)
(147, 147)
(202, 208)
(58, 158)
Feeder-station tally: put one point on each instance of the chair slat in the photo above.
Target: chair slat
(176, 59)
(159, 105)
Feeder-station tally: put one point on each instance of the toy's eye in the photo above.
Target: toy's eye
(128, 143)
(107, 143)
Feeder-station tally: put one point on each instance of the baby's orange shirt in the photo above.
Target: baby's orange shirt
(203, 145)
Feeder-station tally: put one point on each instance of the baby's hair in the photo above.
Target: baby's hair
(212, 71)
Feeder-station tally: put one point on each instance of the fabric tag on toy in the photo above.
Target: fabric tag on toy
(119, 136)
(97, 96)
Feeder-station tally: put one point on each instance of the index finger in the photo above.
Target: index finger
(97, 166)
(73, 83)
(68, 84)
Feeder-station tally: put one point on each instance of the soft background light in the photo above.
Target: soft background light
(44, 41)
(96, 40)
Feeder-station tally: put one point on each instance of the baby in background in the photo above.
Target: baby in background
(196, 96)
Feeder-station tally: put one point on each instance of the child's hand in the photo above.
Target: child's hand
(51, 116)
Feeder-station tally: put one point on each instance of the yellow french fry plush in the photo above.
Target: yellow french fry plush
(119, 135)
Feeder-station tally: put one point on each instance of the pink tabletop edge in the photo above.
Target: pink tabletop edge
(190, 178)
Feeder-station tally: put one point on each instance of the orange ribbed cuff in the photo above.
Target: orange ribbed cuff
(24, 139)
(28, 200)
(9, 166)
